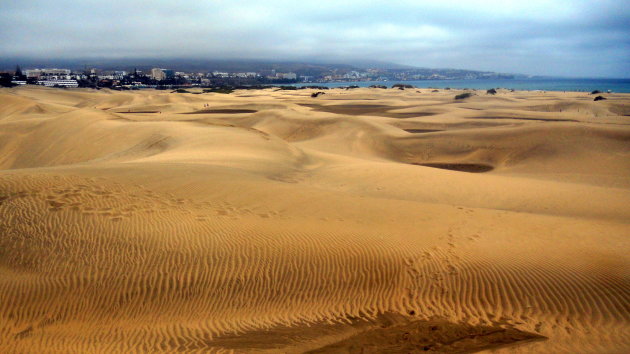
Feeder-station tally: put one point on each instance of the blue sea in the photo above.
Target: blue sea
(580, 85)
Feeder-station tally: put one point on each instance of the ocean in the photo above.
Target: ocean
(580, 85)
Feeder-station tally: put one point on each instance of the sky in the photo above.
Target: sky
(555, 37)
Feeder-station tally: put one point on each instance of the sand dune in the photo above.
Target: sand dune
(361, 220)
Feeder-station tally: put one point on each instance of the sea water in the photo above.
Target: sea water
(580, 85)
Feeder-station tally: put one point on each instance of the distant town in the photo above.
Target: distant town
(166, 78)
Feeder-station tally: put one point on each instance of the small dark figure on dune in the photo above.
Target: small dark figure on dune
(599, 98)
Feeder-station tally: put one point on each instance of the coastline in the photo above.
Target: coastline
(569, 85)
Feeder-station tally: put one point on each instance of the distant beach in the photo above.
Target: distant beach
(578, 85)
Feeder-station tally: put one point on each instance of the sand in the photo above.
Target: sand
(362, 220)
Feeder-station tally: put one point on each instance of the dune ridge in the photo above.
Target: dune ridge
(276, 222)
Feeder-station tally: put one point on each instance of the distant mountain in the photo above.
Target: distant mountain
(316, 67)
(363, 64)
(178, 64)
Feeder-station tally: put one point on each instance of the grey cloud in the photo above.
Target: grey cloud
(570, 38)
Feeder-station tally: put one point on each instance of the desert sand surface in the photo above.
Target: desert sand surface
(269, 221)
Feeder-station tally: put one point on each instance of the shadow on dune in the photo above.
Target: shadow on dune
(222, 111)
(526, 118)
(132, 112)
(367, 109)
(461, 167)
(420, 131)
(386, 334)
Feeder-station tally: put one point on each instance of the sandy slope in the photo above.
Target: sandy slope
(272, 221)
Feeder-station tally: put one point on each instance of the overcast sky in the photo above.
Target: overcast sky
(555, 37)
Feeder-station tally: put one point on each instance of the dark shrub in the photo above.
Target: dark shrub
(403, 86)
(491, 92)
(378, 86)
(5, 80)
(317, 87)
(599, 98)
(180, 91)
(225, 90)
(463, 96)
(435, 91)
(315, 94)
(595, 92)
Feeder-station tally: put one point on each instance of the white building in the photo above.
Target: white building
(62, 83)
(245, 75)
(158, 74)
(287, 76)
(48, 74)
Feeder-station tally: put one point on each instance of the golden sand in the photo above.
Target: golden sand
(361, 220)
